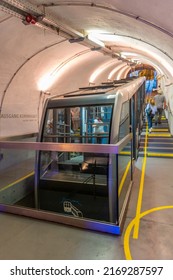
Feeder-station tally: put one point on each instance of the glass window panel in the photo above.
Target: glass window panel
(17, 177)
(75, 184)
(125, 121)
(89, 124)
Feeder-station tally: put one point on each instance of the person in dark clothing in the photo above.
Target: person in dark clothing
(160, 103)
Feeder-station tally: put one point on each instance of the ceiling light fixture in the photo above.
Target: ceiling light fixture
(92, 38)
(122, 55)
(130, 54)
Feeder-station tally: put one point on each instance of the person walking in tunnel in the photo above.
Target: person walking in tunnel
(160, 102)
(150, 111)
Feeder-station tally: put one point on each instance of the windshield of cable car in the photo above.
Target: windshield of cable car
(89, 124)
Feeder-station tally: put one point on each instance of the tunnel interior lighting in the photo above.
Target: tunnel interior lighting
(92, 38)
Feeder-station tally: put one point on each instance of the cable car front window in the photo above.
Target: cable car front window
(87, 173)
(89, 124)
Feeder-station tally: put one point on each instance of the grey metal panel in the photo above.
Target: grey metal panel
(67, 147)
(81, 100)
(48, 216)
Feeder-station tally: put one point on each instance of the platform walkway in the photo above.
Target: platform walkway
(151, 200)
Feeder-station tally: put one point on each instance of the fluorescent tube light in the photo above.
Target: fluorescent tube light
(92, 38)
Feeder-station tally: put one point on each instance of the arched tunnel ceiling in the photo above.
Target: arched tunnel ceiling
(38, 58)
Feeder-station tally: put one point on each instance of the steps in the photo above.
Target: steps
(159, 142)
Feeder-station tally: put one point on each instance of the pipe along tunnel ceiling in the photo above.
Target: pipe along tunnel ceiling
(52, 47)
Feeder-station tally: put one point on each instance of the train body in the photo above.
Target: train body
(85, 184)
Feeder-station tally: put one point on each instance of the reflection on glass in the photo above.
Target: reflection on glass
(125, 121)
(17, 177)
(78, 125)
(75, 184)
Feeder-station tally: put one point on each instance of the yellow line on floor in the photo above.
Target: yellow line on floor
(159, 155)
(155, 142)
(159, 135)
(17, 181)
(124, 177)
(139, 203)
(160, 129)
(132, 224)
(125, 153)
(136, 221)
(141, 188)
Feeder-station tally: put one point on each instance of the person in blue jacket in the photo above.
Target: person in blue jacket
(150, 111)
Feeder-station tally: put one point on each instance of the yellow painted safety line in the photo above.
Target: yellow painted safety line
(17, 181)
(136, 221)
(155, 142)
(160, 129)
(125, 153)
(159, 135)
(124, 177)
(141, 188)
(132, 224)
(159, 155)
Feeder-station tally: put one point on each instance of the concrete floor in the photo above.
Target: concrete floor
(25, 238)
(156, 227)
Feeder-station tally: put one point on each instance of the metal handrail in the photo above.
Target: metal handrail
(68, 147)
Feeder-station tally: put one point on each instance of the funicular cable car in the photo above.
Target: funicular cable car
(85, 184)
